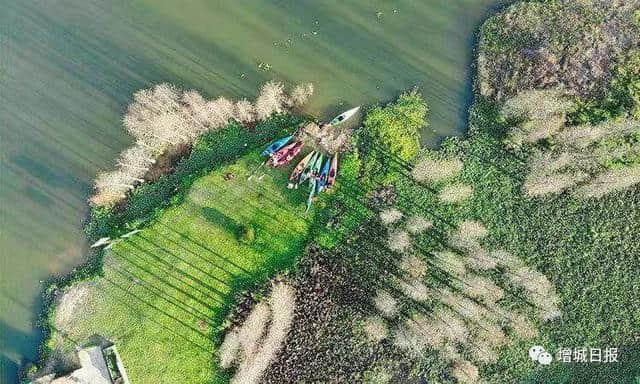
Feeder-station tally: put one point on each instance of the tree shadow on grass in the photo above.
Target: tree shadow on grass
(218, 218)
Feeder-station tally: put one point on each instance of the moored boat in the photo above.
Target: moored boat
(276, 146)
(333, 172)
(344, 116)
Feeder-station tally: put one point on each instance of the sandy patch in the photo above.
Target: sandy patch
(70, 302)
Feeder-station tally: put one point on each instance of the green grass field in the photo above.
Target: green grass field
(165, 289)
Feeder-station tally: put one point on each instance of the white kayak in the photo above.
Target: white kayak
(344, 116)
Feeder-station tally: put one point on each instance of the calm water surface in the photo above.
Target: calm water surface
(68, 69)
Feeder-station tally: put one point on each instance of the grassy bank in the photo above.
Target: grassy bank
(163, 290)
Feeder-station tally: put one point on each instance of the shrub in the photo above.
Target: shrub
(391, 134)
(247, 234)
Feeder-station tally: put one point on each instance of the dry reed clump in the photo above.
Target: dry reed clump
(482, 288)
(450, 262)
(611, 181)
(229, 349)
(385, 303)
(415, 289)
(300, 95)
(452, 326)
(479, 259)
(465, 372)
(418, 224)
(539, 291)
(434, 170)
(535, 186)
(413, 266)
(375, 328)
(522, 326)
(253, 329)
(455, 193)
(399, 241)
(248, 346)
(390, 216)
(537, 104)
(165, 117)
(583, 136)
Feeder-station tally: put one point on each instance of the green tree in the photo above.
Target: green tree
(391, 135)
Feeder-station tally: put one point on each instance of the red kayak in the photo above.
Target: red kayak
(286, 154)
(333, 172)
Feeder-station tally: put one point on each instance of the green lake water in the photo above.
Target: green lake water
(68, 69)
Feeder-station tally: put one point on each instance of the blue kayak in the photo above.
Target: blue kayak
(324, 174)
(276, 146)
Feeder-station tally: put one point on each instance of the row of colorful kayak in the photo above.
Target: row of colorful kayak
(319, 170)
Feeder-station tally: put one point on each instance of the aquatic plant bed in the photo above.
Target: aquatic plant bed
(165, 288)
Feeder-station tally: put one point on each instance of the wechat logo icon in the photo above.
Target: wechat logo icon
(537, 353)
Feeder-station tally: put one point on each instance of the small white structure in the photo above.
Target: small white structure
(94, 369)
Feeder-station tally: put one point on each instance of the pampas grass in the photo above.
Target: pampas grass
(537, 104)
(522, 326)
(300, 94)
(611, 181)
(480, 259)
(399, 241)
(413, 266)
(535, 186)
(455, 193)
(482, 288)
(539, 291)
(465, 372)
(483, 351)
(450, 262)
(257, 358)
(385, 303)
(390, 216)
(466, 308)
(229, 349)
(415, 289)
(253, 329)
(433, 170)
(418, 224)
(375, 328)
(452, 326)
(418, 332)
(585, 135)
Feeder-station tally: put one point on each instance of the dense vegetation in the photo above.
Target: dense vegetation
(396, 302)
